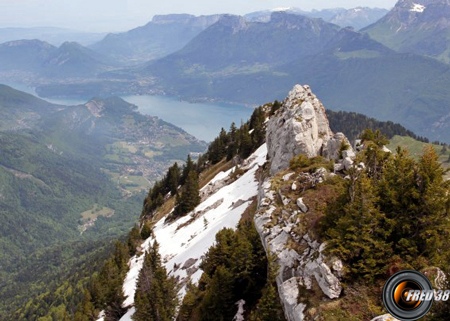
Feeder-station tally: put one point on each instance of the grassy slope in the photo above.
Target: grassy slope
(415, 148)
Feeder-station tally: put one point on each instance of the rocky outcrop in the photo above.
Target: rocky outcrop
(300, 126)
(301, 265)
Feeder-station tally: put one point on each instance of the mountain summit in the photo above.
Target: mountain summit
(417, 26)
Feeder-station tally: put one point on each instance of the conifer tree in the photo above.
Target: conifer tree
(233, 145)
(400, 200)
(190, 196)
(218, 304)
(188, 167)
(146, 230)
(173, 179)
(246, 144)
(275, 106)
(134, 237)
(361, 233)
(269, 306)
(156, 293)
(374, 156)
(434, 207)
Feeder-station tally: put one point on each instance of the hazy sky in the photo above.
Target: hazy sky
(114, 15)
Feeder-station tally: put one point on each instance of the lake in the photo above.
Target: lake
(203, 120)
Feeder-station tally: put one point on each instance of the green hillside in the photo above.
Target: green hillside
(60, 167)
(416, 148)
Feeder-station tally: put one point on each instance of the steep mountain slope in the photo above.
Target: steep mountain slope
(357, 18)
(73, 60)
(163, 35)
(233, 43)
(72, 174)
(416, 26)
(184, 241)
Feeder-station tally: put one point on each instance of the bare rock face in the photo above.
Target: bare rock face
(300, 126)
(301, 266)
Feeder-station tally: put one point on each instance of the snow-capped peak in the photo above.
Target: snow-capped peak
(417, 7)
(281, 9)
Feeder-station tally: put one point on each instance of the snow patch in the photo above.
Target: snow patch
(417, 8)
(179, 242)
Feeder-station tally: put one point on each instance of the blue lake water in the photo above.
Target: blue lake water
(203, 120)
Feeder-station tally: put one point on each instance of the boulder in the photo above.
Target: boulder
(302, 205)
(348, 163)
(334, 146)
(190, 262)
(287, 176)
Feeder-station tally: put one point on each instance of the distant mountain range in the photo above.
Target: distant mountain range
(36, 58)
(162, 36)
(52, 35)
(417, 26)
(357, 18)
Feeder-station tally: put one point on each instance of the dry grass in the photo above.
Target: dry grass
(164, 210)
(250, 211)
(211, 172)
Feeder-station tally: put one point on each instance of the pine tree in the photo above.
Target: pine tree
(190, 196)
(275, 106)
(218, 304)
(188, 167)
(361, 233)
(374, 157)
(190, 301)
(146, 230)
(257, 124)
(173, 179)
(85, 310)
(156, 293)
(246, 144)
(134, 237)
(434, 208)
(399, 198)
(269, 306)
